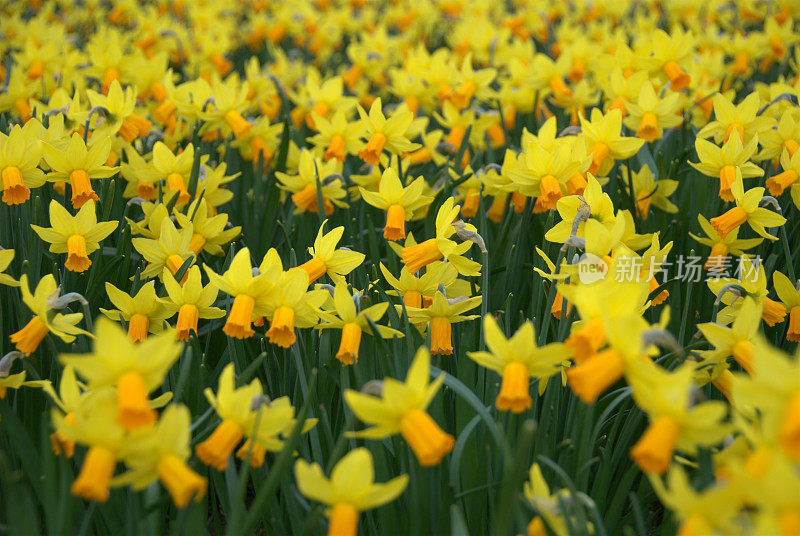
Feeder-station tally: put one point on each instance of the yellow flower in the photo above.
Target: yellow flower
(348, 316)
(648, 191)
(160, 452)
(175, 169)
(736, 341)
(382, 133)
(790, 298)
(747, 209)
(326, 259)
(78, 236)
(419, 255)
(753, 280)
(94, 424)
(311, 173)
(135, 369)
(788, 178)
(351, 489)
(721, 247)
(45, 319)
(399, 202)
(650, 115)
(250, 292)
(604, 140)
(170, 249)
(144, 312)
(291, 305)
(229, 101)
(119, 105)
(235, 407)
(338, 137)
(743, 118)
(401, 408)
(79, 165)
(20, 153)
(517, 360)
(441, 314)
(191, 301)
(729, 163)
(209, 233)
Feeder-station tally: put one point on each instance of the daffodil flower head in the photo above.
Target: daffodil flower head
(143, 312)
(442, 314)
(399, 202)
(401, 408)
(192, 301)
(45, 319)
(748, 210)
(350, 489)
(20, 153)
(348, 316)
(170, 249)
(274, 421)
(209, 233)
(6, 257)
(326, 259)
(160, 452)
(78, 236)
(135, 369)
(424, 253)
(235, 407)
(383, 133)
(79, 165)
(517, 359)
(729, 163)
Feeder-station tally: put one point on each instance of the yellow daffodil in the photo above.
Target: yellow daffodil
(6, 256)
(20, 153)
(517, 360)
(160, 452)
(743, 118)
(604, 140)
(729, 163)
(778, 183)
(424, 253)
(348, 316)
(650, 115)
(385, 134)
(170, 249)
(192, 301)
(399, 202)
(722, 247)
(442, 314)
(747, 209)
(143, 312)
(78, 236)
(326, 259)
(311, 174)
(79, 165)
(338, 137)
(210, 233)
(134, 369)
(351, 489)
(401, 408)
(651, 192)
(175, 169)
(46, 319)
(118, 110)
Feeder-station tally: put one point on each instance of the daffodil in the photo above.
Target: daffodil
(752, 282)
(160, 452)
(401, 408)
(315, 178)
(175, 169)
(385, 134)
(517, 360)
(790, 298)
(669, 50)
(743, 118)
(348, 316)
(748, 210)
(79, 165)
(351, 489)
(338, 136)
(650, 115)
(433, 249)
(170, 249)
(729, 163)
(250, 292)
(605, 142)
(573, 207)
(441, 315)
(326, 259)
(94, 425)
(722, 247)
(788, 178)
(210, 233)
(20, 153)
(229, 100)
(45, 318)
(651, 192)
(399, 202)
(78, 236)
(235, 407)
(118, 112)
(135, 369)
(275, 420)
(192, 301)
(736, 341)
(143, 312)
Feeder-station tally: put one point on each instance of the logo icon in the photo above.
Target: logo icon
(591, 268)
